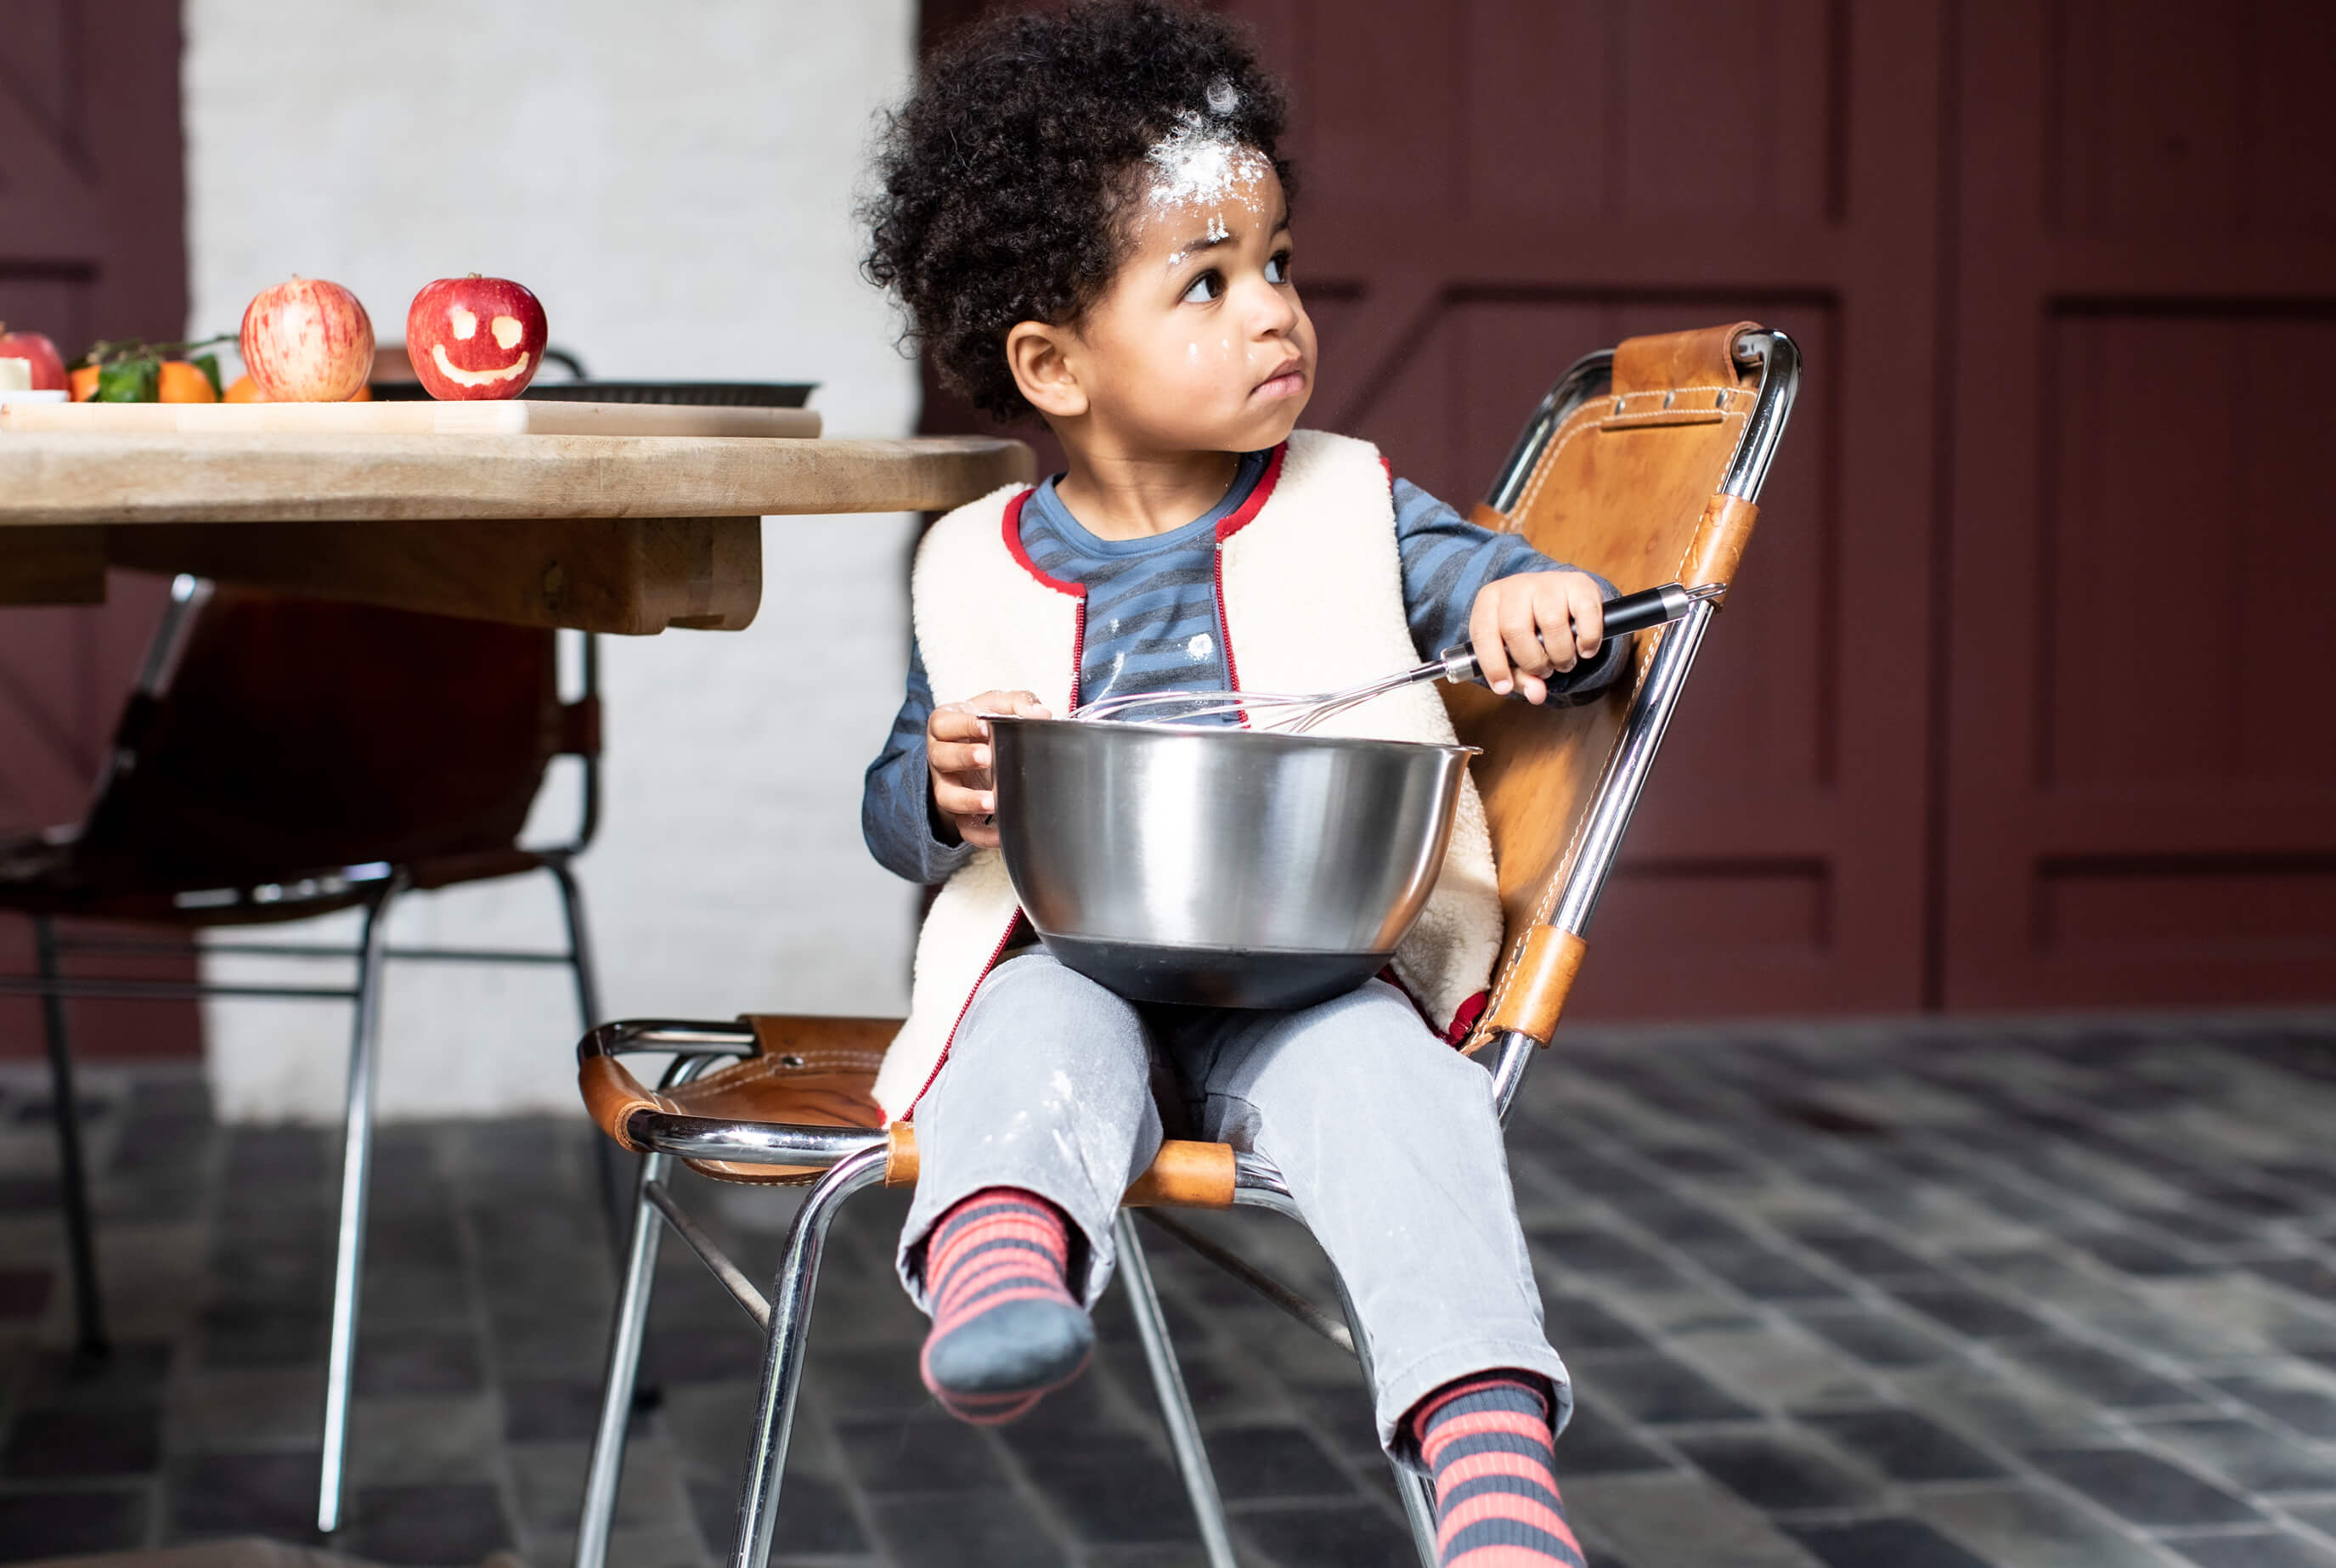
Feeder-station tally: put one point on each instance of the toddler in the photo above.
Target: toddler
(1085, 216)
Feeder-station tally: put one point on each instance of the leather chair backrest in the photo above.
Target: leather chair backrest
(295, 736)
(1626, 486)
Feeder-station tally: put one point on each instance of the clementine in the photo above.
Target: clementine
(181, 381)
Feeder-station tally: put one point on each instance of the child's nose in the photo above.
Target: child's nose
(1274, 311)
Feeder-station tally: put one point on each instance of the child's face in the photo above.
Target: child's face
(1201, 343)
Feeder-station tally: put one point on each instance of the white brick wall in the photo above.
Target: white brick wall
(675, 182)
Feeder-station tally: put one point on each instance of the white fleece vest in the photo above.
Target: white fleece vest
(1310, 592)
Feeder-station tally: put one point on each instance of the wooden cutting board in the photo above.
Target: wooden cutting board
(507, 416)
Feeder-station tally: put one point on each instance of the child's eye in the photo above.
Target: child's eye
(1277, 271)
(1205, 287)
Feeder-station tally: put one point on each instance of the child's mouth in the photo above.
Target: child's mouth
(1288, 383)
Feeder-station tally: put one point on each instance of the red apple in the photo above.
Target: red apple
(306, 341)
(48, 366)
(475, 337)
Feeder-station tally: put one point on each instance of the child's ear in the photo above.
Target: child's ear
(1039, 356)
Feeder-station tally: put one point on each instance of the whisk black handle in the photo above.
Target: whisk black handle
(1632, 612)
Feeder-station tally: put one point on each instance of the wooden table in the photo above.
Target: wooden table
(627, 534)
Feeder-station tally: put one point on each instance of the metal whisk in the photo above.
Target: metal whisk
(1297, 715)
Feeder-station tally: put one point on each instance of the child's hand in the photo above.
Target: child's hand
(1534, 625)
(957, 752)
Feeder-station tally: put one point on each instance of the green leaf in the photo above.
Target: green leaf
(130, 381)
(208, 365)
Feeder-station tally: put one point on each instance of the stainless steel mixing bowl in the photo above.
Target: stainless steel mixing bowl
(1218, 865)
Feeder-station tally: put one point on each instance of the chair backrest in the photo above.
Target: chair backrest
(1622, 471)
(272, 737)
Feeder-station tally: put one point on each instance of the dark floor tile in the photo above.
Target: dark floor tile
(2256, 1202)
(2139, 1255)
(35, 1525)
(1864, 1253)
(241, 1336)
(1336, 1535)
(816, 1518)
(392, 1363)
(1651, 1388)
(879, 1381)
(1604, 1255)
(931, 1453)
(2143, 1488)
(708, 1354)
(25, 1293)
(1342, 1415)
(1596, 1444)
(2189, 1226)
(550, 1412)
(426, 1524)
(128, 1374)
(1689, 1225)
(1903, 1445)
(1114, 1488)
(2306, 1406)
(1777, 1472)
(1969, 1312)
(29, 1195)
(2098, 1375)
(988, 1529)
(1254, 1464)
(1700, 1161)
(1875, 1337)
(220, 1494)
(55, 1444)
(1577, 1323)
(2259, 1461)
(2255, 1549)
(1765, 1274)
(1884, 1543)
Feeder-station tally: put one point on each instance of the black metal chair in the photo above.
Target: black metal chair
(283, 758)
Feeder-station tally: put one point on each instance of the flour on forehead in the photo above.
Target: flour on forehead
(1201, 163)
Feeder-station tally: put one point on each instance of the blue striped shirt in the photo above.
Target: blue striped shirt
(1151, 626)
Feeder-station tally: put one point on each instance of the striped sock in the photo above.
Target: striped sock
(1486, 1441)
(1005, 1328)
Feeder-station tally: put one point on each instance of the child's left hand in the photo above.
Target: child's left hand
(1534, 625)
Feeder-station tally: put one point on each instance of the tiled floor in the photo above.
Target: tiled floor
(2055, 1296)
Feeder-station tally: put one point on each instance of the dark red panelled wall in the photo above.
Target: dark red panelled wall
(92, 243)
(2028, 699)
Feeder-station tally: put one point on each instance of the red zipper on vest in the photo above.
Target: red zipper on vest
(910, 1114)
(1225, 628)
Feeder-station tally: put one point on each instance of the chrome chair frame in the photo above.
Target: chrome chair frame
(855, 1158)
(380, 885)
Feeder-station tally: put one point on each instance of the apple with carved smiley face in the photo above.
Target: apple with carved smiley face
(475, 337)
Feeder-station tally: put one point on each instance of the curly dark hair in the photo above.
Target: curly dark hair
(1004, 175)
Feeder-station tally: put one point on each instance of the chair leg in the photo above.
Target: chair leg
(607, 1465)
(782, 1354)
(1414, 1490)
(356, 1163)
(73, 1174)
(617, 1183)
(1175, 1401)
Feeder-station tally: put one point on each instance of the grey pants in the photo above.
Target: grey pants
(1387, 1136)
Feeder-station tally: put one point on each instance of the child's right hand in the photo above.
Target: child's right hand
(957, 752)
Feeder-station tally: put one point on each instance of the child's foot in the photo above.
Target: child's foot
(1004, 1329)
(1486, 1441)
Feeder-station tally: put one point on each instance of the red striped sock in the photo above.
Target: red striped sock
(1486, 1441)
(1005, 1328)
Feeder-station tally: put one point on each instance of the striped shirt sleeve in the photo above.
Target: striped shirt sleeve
(897, 816)
(1446, 562)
